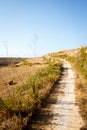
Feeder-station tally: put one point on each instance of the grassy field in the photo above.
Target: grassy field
(23, 88)
(18, 73)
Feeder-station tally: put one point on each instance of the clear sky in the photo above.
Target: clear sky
(41, 25)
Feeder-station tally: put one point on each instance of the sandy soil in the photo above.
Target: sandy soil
(61, 111)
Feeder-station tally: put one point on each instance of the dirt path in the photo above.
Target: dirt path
(61, 111)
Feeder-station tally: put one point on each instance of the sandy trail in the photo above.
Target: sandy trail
(61, 111)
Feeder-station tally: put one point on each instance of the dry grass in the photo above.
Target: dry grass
(18, 75)
(81, 97)
(32, 81)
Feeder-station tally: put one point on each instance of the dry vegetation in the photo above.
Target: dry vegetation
(81, 96)
(8, 61)
(18, 73)
(23, 87)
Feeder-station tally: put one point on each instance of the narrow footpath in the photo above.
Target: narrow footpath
(60, 112)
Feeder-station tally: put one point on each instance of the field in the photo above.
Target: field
(4, 61)
(23, 87)
(18, 72)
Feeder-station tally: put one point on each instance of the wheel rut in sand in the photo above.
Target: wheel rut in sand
(60, 111)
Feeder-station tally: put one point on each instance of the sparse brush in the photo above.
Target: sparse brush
(81, 97)
(28, 97)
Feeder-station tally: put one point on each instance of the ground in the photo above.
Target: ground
(61, 111)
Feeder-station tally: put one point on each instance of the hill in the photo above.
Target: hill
(26, 83)
(78, 59)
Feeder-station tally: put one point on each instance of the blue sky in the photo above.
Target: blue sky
(46, 25)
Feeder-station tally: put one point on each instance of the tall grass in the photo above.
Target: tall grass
(81, 84)
(82, 61)
(19, 108)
